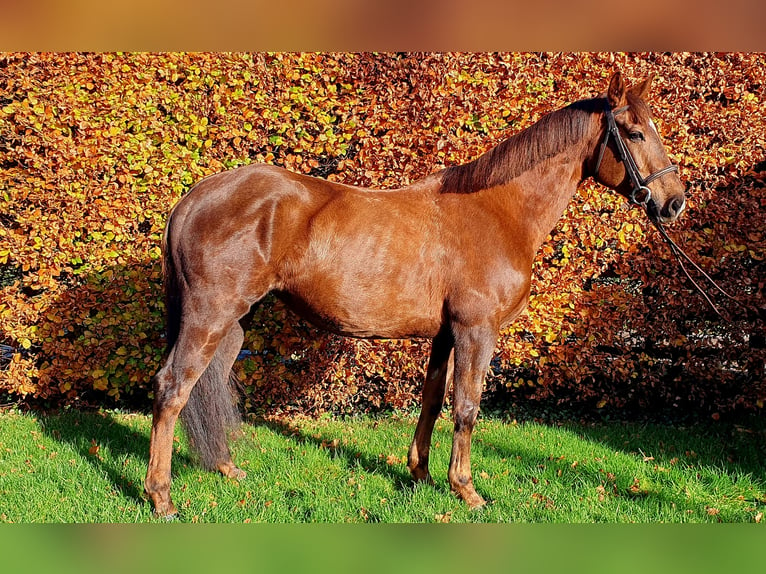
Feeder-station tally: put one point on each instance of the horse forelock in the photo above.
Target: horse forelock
(639, 109)
(549, 136)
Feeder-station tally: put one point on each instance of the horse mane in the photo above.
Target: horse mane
(550, 135)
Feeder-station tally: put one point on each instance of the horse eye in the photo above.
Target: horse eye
(636, 136)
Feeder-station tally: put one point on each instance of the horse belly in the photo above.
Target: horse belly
(369, 265)
(368, 306)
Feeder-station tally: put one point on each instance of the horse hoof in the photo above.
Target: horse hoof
(471, 498)
(237, 473)
(233, 472)
(168, 513)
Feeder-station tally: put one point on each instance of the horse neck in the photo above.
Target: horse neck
(549, 190)
(539, 195)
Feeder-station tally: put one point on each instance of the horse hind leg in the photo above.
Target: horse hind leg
(189, 359)
(439, 373)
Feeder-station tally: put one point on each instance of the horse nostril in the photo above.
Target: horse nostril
(674, 207)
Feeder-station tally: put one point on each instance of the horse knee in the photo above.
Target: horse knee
(162, 379)
(465, 417)
(167, 394)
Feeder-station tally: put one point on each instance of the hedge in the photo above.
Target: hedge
(96, 148)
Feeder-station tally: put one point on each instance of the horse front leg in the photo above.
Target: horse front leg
(434, 389)
(474, 347)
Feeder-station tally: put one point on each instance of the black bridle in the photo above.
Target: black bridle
(640, 194)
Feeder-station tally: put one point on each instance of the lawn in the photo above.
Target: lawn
(79, 466)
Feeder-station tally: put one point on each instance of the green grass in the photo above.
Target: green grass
(89, 467)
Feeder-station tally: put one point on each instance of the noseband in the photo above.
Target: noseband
(640, 194)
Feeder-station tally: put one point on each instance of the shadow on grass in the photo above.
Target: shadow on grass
(710, 452)
(91, 434)
(351, 455)
(732, 446)
(113, 448)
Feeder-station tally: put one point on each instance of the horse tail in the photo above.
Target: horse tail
(212, 413)
(172, 289)
(212, 410)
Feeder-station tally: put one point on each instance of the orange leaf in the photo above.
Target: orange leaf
(94, 448)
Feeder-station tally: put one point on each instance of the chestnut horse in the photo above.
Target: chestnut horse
(448, 257)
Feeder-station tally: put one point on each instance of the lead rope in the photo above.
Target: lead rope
(680, 256)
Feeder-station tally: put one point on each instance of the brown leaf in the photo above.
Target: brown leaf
(635, 488)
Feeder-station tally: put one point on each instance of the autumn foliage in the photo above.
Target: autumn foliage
(96, 148)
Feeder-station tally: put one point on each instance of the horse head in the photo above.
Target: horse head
(631, 155)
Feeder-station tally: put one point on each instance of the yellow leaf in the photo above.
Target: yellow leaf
(550, 337)
(444, 518)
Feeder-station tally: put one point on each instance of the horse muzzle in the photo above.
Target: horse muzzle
(670, 211)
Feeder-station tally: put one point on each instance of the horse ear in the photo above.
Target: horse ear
(616, 92)
(642, 89)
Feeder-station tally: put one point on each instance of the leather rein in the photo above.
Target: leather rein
(642, 195)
